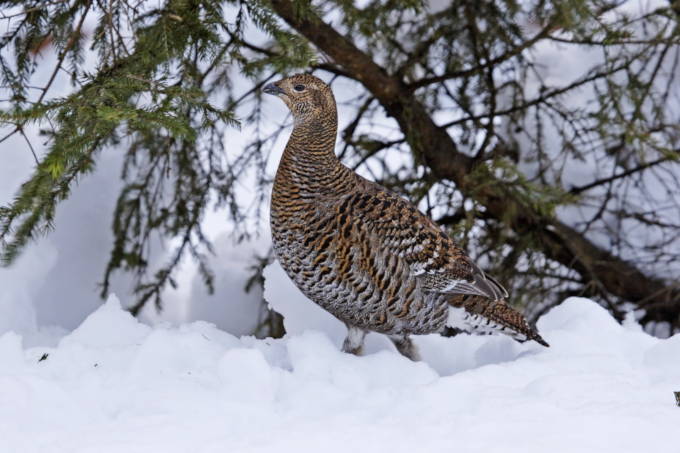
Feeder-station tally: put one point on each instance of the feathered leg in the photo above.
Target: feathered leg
(406, 347)
(354, 343)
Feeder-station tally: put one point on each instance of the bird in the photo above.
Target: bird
(365, 254)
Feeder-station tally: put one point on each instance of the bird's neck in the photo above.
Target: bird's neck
(309, 160)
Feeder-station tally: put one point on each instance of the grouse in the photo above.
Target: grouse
(365, 254)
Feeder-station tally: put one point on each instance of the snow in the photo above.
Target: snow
(237, 315)
(117, 385)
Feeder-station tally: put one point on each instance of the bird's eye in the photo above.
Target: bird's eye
(299, 88)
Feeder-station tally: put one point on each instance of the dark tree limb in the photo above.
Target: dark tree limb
(599, 182)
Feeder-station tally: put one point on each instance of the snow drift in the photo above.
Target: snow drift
(116, 385)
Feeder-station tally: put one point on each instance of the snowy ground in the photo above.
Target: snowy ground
(115, 385)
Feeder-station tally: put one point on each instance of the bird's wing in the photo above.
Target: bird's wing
(400, 229)
(474, 282)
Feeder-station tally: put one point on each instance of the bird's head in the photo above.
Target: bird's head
(307, 97)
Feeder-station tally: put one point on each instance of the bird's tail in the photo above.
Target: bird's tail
(481, 315)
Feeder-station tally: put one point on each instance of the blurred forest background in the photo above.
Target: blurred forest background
(543, 135)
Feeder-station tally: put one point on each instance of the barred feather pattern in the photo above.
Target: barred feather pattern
(364, 254)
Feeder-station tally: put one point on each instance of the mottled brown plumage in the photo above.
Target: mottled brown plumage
(363, 253)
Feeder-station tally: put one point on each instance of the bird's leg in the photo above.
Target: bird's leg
(354, 342)
(406, 347)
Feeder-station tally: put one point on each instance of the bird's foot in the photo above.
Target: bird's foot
(354, 343)
(406, 347)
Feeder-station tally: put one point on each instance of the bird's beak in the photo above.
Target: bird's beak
(273, 89)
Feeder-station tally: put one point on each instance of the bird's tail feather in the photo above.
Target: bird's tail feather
(480, 315)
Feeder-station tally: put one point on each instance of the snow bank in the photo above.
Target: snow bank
(115, 385)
